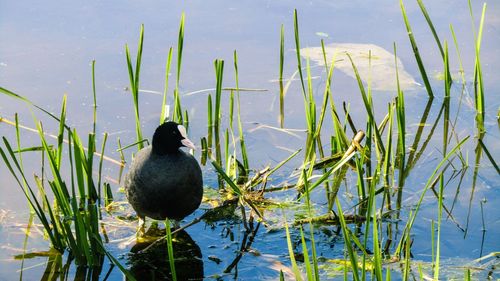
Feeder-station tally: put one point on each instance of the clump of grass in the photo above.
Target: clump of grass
(67, 203)
(73, 223)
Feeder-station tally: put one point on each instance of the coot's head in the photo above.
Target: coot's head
(168, 137)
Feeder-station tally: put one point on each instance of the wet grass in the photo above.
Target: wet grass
(71, 217)
(73, 210)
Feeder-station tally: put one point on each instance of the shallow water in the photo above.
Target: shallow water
(47, 49)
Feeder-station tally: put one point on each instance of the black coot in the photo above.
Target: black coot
(164, 181)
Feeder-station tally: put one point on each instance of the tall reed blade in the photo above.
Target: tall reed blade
(386, 164)
(433, 30)
(219, 70)
(170, 248)
(446, 101)
(347, 243)
(305, 254)
(401, 147)
(440, 214)
(94, 119)
(413, 217)
(99, 172)
(27, 101)
(416, 52)
(310, 273)
(282, 62)
(180, 47)
(18, 140)
(295, 267)
(60, 135)
(177, 114)
(164, 112)
(243, 148)
(478, 76)
(210, 125)
(134, 85)
(369, 109)
(297, 50)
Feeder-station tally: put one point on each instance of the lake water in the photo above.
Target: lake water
(47, 49)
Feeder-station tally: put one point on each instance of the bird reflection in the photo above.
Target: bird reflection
(149, 261)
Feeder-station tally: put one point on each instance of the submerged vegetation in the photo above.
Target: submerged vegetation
(376, 157)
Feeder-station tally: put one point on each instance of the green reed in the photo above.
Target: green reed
(210, 125)
(416, 52)
(80, 232)
(312, 273)
(372, 209)
(177, 114)
(305, 254)
(433, 30)
(386, 163)
(297, 52)
(367, 101)
(446, 102)
(478, 76)
(163, 114)
(170, 248)
(389, 159)
(217, 118)
(67, 202)
(479, 99)
(295, 267)
(490, 157)
(412, 218)
(309, 103)
(314, 125)
(101, 160)
(459, 57)
(348, 245)
(134, 85)
(401, 142)
(440, 214)
(341, 141)
(20, 150)
(282, 89)
(26, 101)
(244, 154)
(431, 26)
(94, 95)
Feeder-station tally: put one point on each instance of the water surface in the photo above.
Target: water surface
(47, 50)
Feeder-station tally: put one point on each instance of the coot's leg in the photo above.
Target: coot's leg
(175, 224)
(142, 226)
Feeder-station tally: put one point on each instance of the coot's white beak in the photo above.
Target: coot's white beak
(185, 141)
(188, 143)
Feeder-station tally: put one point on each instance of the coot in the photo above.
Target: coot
(164, 181)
